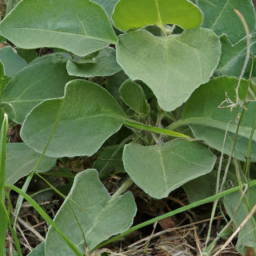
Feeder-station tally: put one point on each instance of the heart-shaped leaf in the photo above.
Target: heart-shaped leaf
(104, 64)
(133, 14)
(173, 67)
(78, 26)
(20, 161)
(133, 96)
(97, 218)
(209, 123)
(12, 62)
(160, 169)
(78, 123)
(31, 86)
(219, 16)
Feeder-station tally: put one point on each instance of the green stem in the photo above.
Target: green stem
(145, 127)
(169, 214)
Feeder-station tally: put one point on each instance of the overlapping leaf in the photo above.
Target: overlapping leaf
(219, 16)
(97, 218)
(133, 14)
(133, 96)
(78, 26)
(160, 169)
(107, 5)
(173, 67)
(209, 123)
(11, 61)
(21, 160)
(41, 80)
(104, 64)
(78, 124)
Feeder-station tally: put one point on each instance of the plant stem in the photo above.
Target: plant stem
(145, 127)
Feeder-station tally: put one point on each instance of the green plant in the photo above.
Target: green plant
(170, 71)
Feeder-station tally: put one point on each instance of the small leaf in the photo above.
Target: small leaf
(21, 160)
(104, 64)
(219, 16)
(173, 67)
(131, 14)
(78, 26)
(81, 121)
(107, 5)
(12, 62)
(133, 96)
(98, 219)
(209, 123)
(31, 86)
(160, 169)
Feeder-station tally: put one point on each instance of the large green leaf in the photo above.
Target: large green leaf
(34, 84)
(247, 235)
(173, 67)
(209, 123)
(233, 56)
(219, 16)
(97, 218)
(38, 251)
(21, 160)
(104, 64)
(107, 5)
(80, 121)
(133, 14)
(160, 169)
(133, 96)
(12, 62)
(78, 26)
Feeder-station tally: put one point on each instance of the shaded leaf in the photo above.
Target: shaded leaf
(233, 56)
(107, 5)
(28, 55)
(98, 219)
(109, 161)
(160, 169)
(39, 81)
(247, 235)
(11, 61)
(173, 67)
(209, 123)
(81, 121)
(219, 16)
(21, 160)
(104, 64)
(201, 187)
(38, 251)
(133, 96)
(133, 14)
(78, 26)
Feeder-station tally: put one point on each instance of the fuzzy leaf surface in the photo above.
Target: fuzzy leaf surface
(98, 219)
(219, 16)
(78, 123)
(107, 5)
(104, 64)
(134, 14)
(20, 161)
(78, 26)
(209, 123)
(133, 96)
(11, 61)
(158, 170)
(32, 85)
(172, 67)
